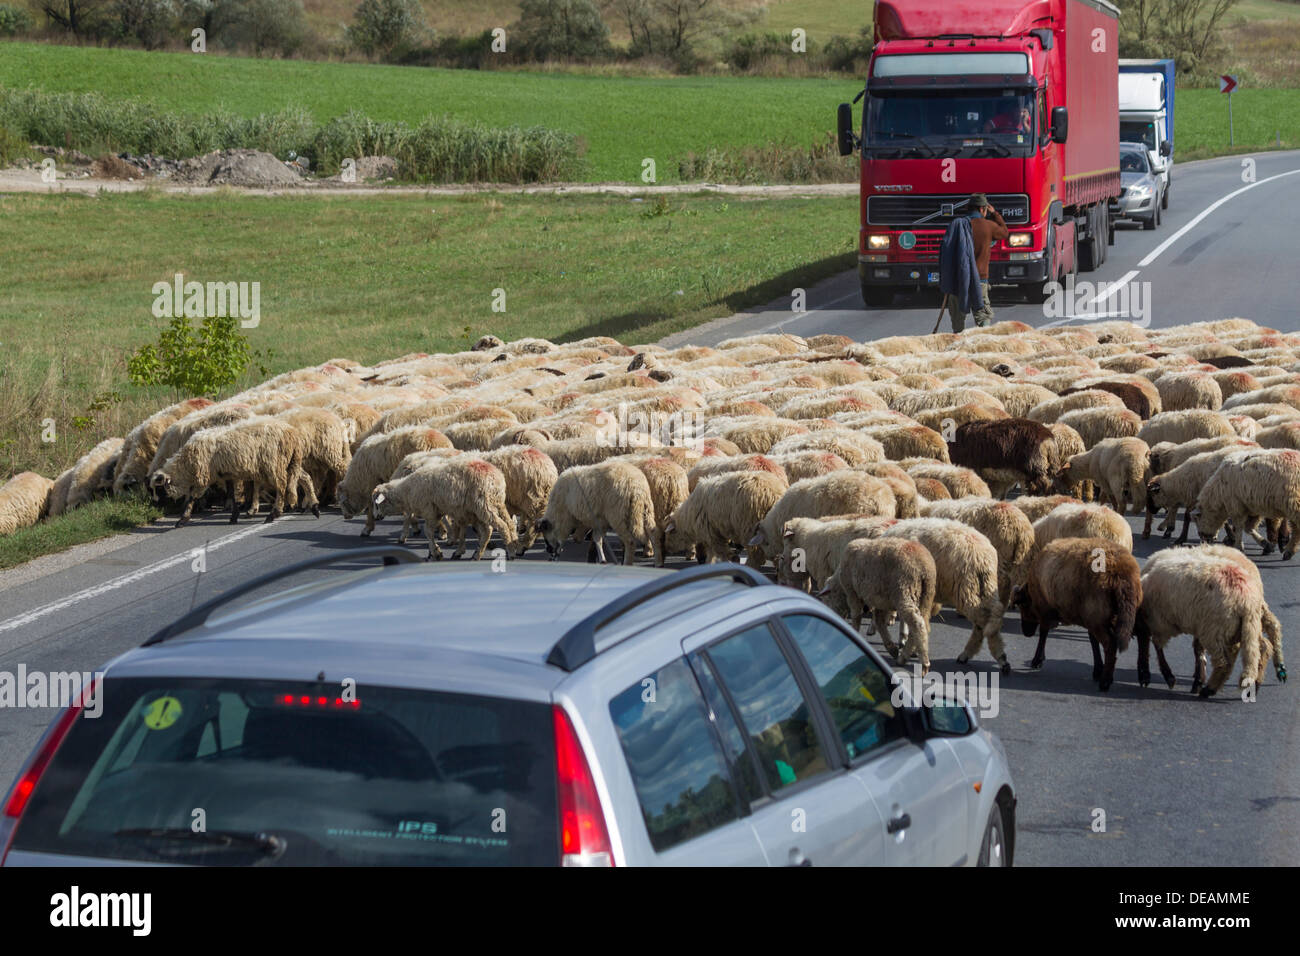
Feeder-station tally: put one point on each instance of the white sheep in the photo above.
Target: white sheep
(375, 461)
(1082, 521)
(465, 489)
(1008, 529)
(836, 493)
(1249, 485)
(890, 576)
(607, 496)
(24, 500)
(1118, 466)
(722, 511)
(1213, 598)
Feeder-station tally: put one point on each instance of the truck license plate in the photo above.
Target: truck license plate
(934, 277)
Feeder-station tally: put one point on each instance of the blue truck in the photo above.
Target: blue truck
(1146, 114)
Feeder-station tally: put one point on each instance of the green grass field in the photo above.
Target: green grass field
(369, 280)
(624, 120)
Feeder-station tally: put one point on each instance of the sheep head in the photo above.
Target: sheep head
(550, 534)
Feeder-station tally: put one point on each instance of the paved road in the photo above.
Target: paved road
(1182, 781)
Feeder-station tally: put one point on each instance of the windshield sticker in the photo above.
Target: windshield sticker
(162, 713)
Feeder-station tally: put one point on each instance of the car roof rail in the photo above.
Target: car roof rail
(578, 645)
(391, 554)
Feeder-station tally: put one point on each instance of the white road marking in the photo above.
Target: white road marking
(115, 583)
(796, 316)
(1109, 289)
(1160, 249)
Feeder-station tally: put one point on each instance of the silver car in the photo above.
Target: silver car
(541, 714)
(1140, 188)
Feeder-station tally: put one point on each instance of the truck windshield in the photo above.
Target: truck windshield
(948, 123)
(1138, 132)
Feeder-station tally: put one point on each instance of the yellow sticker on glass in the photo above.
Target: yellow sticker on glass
(162, 713)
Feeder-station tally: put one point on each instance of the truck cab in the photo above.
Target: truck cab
(1014, 99)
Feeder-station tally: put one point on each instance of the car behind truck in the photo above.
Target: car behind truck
(1016, 99)
(1146, 114)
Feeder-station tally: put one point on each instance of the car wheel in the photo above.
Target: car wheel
(1154, 220)
(993, 849)
(1164, 200)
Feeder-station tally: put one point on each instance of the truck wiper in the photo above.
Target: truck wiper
(267, 843)
(914, 138)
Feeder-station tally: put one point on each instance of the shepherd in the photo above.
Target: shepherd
(964, 263)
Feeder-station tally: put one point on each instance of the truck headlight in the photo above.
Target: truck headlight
(1020, 239)
(877, 242)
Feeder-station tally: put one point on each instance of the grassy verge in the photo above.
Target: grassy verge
(368, 281)
(99, 519)
(623, 120)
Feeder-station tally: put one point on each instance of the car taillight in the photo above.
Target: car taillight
(31, 776)
(584, 839)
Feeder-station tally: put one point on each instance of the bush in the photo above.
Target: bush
(269, 26)
(149, 22)
(14, 21)
(194, 362)
(849, 54)
(560, 29)
(13, 145)
(748, 50)
(386, 27)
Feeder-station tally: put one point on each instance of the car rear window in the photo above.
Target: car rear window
(238, 772)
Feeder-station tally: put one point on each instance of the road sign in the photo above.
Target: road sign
(1226, 85)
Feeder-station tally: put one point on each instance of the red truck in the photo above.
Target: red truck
(1016, 99)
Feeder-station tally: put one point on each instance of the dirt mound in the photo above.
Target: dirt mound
(109, 166)
(370, 168)
(236, 167)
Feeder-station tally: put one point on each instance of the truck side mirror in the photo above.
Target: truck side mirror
(1060, 124)
(844, 129)
(1166, 148)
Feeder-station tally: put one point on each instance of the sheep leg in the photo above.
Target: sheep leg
(1097, 672)
(918, 636)
(988, 618)
(1166, 671)
(1224, 660)
(882, 628)
(1187, 524)
(661, 547)
(187, 509)
(460, 531)
(277, 506)
(1198, 671)
(430, 526)
(370, 522)
(234, 502)
(598, 541)
(1040, 655)
(1112, 652)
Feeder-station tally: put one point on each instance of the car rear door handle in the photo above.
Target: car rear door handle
(900, 822)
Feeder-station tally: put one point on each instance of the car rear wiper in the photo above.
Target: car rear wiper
(268, 843)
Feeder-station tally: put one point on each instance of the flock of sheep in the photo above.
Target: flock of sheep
(871, 474)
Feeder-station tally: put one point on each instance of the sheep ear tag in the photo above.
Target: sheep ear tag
(379, 499)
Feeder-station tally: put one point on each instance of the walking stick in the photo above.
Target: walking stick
(943, 308)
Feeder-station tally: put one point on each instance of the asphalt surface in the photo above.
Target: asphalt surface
(1181, 781)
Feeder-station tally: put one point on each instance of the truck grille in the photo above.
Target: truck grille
(938, 211)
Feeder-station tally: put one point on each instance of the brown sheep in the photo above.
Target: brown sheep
(1090, 582)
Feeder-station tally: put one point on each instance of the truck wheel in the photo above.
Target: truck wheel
(878, 296)
(1103, 230)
